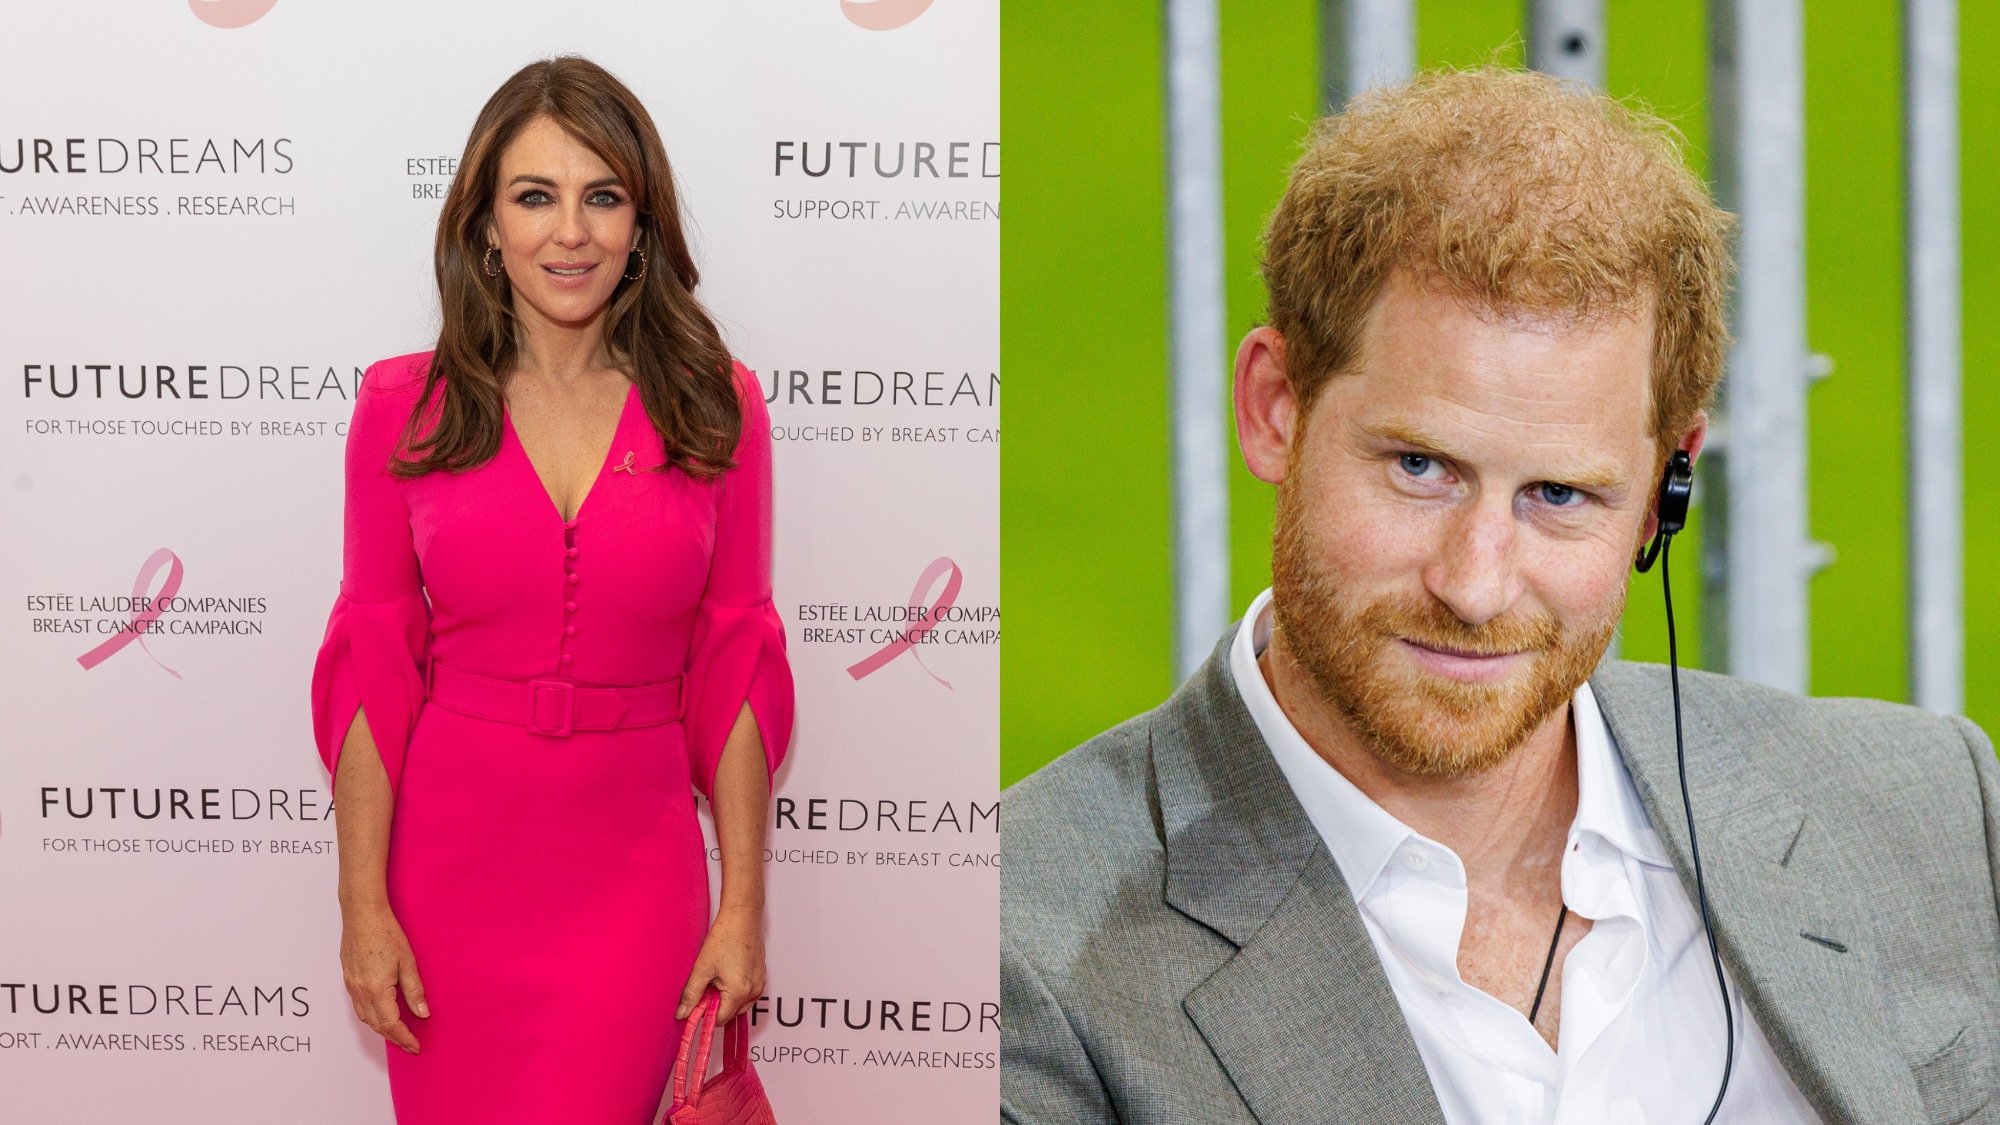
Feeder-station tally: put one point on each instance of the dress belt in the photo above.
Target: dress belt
(552, 707)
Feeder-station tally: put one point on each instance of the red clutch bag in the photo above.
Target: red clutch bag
(733, 1097)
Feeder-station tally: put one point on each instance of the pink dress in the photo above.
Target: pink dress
(553, 885)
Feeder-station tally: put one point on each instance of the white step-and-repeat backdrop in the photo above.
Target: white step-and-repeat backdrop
(213, 215)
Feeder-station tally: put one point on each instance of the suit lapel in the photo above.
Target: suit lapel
(1301, 1016)
(1770, 882)
(1304, 1021)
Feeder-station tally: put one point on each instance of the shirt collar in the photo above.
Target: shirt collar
(1362, 835)
(1607, 803)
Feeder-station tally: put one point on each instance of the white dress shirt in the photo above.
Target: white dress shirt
(1641, 1037)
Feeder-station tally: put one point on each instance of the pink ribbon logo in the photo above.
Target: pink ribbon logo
(133, 630)
(625, 466)
(922, 621)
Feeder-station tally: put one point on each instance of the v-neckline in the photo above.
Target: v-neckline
(617, 429)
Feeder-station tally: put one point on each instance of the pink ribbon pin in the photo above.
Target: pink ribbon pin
(134, 630)
(625, 466)
(921, 624)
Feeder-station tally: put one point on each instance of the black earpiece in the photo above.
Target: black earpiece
(1675, 489)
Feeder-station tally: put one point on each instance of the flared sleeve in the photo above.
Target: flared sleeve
(378, 633)
(737, 654)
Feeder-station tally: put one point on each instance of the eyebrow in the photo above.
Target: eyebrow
(1402, 433)
(530, 178)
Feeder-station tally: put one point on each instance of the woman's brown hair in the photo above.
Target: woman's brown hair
(655, 329)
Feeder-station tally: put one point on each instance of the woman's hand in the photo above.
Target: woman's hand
(731, 959)
(375, 957)
(375, 960)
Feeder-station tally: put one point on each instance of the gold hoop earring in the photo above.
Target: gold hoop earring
(486, 261)
(641, 251)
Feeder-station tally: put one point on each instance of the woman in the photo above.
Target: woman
(555, 614)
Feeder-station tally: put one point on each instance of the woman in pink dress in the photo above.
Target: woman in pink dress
(554, 623)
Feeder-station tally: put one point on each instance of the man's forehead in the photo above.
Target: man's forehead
(1566, 377)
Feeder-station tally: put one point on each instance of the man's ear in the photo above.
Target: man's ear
(1696, 436)
(1266, 407)
(1691, 441)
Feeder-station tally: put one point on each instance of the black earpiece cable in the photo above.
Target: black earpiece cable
(1694, 849)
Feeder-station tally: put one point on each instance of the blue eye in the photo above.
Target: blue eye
(1559, 495)
(531, 198)
(1416, 464)
(605, 198)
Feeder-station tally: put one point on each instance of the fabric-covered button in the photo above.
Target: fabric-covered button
(569, 607)
(565, 658)
(572, 579)
(571, 552)
(569, 630)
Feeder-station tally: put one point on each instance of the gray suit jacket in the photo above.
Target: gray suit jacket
(1177, 945)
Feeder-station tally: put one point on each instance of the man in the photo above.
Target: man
(1406, 849)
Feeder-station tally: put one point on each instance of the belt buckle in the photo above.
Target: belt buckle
(544, 695)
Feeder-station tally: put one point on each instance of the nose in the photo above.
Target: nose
(1474, 572)
(572, 231)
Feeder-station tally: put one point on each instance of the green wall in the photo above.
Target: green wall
(1084, 481)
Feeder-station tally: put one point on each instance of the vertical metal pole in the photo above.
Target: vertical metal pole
(1759, 555)
(1566, 39)
(1196, 328)
(1934, 425)
(1364, 43)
